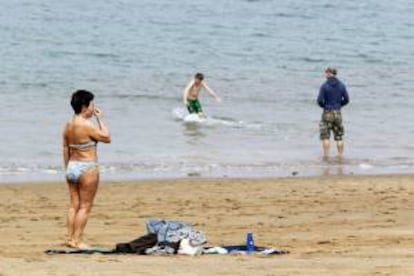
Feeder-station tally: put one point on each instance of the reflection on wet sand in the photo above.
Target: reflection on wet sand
(194, 133)
(334, 166)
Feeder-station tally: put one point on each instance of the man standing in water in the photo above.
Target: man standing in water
(332, 97)
(192, 91)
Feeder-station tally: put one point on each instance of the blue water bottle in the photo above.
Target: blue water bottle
(249, 243)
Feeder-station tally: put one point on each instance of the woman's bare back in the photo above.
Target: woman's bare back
(77, 133)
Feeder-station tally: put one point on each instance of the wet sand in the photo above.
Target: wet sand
(331, 225)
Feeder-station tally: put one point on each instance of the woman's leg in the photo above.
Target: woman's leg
(73, 210)
(88, 185)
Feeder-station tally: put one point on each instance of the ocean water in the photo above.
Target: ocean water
(264, 58)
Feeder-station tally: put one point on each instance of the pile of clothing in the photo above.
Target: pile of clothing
(166, 238)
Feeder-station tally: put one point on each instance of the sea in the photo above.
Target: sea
(264, 58)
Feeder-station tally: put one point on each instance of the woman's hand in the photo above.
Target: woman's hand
(100, 134)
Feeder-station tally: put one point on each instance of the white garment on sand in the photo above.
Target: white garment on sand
(187, 249)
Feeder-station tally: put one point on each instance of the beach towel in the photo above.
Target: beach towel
(167, 250)
(92, 250)
(242, 249)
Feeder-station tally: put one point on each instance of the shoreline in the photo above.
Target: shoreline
(109, 181)
(346, 167)
(349, 225)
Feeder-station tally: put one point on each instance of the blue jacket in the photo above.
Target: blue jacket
(333, 95)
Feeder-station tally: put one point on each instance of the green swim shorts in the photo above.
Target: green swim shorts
(331, 122)
(194, 106)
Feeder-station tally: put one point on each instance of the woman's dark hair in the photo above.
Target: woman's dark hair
(199, 76)
(331, 70)
(80, 99)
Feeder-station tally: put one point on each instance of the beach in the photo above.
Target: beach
(253, 164)
(349, 225)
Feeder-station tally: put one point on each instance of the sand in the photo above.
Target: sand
(331, 225)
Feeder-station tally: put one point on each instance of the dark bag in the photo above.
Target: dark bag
(137, 246)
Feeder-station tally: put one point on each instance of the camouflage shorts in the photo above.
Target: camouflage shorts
(331, 121)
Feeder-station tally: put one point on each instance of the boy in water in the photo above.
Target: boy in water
(192, 91)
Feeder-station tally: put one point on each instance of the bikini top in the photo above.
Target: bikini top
(84, 145)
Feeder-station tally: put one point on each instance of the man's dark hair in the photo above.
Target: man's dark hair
(199, 76)
(81, 98)
(331, 70)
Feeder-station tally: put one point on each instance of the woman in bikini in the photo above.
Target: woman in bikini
(80, 138)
